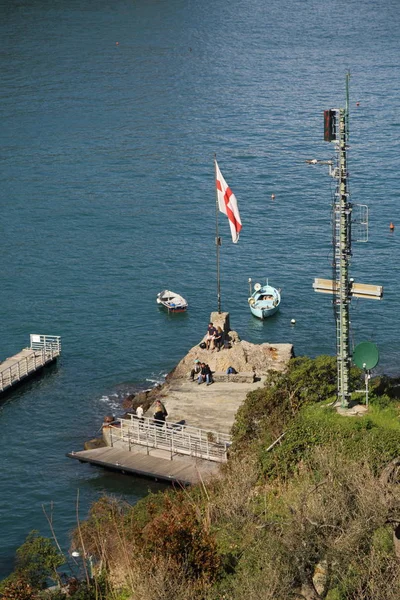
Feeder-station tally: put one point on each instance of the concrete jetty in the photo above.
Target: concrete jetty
(205, 413)
(215, 406)
(211, 407)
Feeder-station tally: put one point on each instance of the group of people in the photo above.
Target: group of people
(202, 372)
(214, 338)
(159, 415)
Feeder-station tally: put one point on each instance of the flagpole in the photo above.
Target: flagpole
(217, 238)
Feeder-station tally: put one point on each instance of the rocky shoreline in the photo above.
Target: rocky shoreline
(213, 407)
(244, 356)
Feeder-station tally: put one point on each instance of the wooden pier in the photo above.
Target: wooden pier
(43, 350)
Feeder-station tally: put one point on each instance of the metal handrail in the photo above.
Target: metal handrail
(50, 343)
(174, 438)
(43, 351)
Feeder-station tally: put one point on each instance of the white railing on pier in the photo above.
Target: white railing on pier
(174, 438)
(43, 350)
(49, 343)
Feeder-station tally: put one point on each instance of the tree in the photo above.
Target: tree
(38, 560)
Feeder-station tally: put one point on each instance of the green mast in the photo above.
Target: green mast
(336, 130)
(342, 253)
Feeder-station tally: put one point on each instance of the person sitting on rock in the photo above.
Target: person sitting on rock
(210, 336)
(194, 373)
(205, 374)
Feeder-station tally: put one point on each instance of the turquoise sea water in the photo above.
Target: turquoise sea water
(110, 115)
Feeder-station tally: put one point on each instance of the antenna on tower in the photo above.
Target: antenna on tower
(343, 288)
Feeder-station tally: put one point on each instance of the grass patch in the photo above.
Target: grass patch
(374, 438)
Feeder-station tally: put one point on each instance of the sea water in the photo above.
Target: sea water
(111, 113)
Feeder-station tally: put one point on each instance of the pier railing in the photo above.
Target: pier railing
(174, 438)
(43, 350)
(48, 343)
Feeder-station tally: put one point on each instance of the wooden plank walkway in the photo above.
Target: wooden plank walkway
(183, 470)
(43, 351)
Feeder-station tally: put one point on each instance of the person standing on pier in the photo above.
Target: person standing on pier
(160, 414)
(139, 413)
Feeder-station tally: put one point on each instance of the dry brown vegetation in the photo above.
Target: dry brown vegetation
(325, 533)
(313, 519)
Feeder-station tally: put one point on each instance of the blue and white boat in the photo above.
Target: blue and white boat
(264, 301)
(171, 301)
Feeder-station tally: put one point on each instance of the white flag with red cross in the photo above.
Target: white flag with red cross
(227, 204)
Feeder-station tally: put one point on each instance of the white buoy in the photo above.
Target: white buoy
(293, 321)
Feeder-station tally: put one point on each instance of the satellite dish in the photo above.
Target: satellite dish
(257, 286)
(366, 355)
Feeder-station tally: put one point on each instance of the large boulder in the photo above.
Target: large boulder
(242, 355)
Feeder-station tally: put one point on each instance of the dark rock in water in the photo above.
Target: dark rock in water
(128, 401)
(145, 399)
(126, 392)
(95, 443)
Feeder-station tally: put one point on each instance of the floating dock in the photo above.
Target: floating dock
(181, 470)
(43, 350)
(174, 453)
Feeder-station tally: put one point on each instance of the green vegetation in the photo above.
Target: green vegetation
(37, 562)
(268, 411)
(317, 516)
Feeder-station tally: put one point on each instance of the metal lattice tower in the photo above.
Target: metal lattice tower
(342, 212)
(336, 129)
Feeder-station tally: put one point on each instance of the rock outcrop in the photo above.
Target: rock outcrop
(214, 407)
(242, 355)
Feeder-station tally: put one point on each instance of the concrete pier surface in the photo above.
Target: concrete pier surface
(186, 449)
(211, 407)
(214, 407)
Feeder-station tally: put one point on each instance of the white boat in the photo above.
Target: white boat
(171, 301)
(264, 301)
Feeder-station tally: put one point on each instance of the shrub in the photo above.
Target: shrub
(37, 560)
(361, 438)
(16, 588)
(267, 412)
(180, 534)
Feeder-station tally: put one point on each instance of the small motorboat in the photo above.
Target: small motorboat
(171, 301)
(264, 301)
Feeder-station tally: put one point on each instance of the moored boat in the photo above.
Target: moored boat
(171, 301)
(264, 301)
